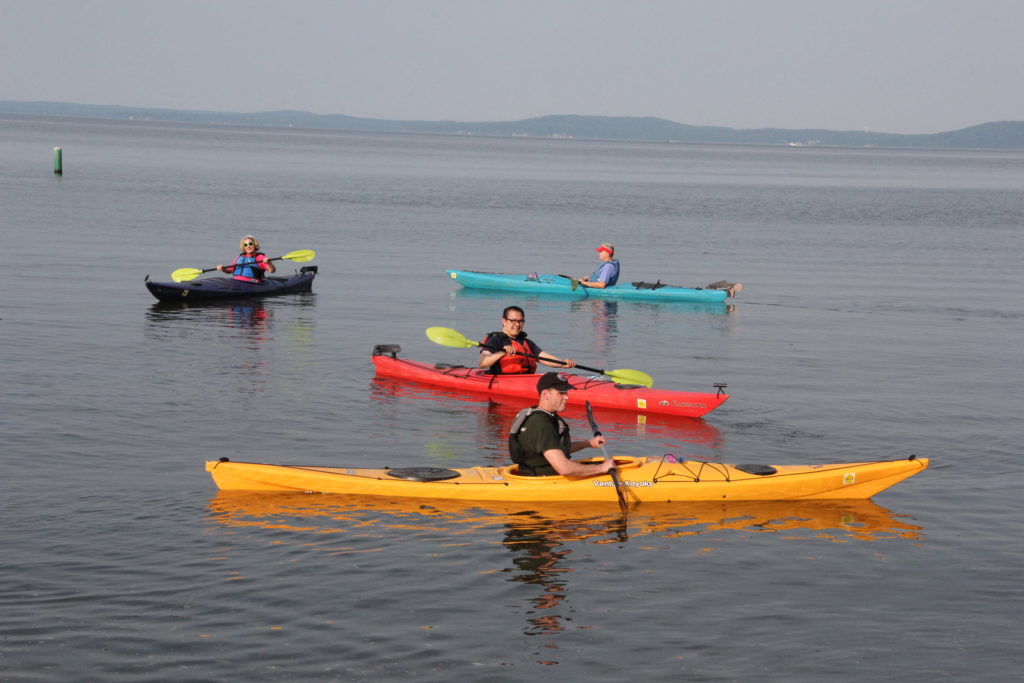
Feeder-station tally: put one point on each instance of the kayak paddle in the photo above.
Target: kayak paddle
(185, 274)
(445, 336)
(615, 475)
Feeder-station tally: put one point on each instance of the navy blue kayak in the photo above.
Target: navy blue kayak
(212, 288)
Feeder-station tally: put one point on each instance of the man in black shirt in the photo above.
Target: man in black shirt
(539, 440)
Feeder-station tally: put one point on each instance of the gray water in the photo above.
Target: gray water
(881, 316)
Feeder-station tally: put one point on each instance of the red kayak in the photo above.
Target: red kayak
(600, 391)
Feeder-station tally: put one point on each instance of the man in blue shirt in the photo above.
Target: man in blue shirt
(607, 274)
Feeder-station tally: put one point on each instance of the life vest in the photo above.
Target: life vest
(596, 277)
(512, 365)
(535, 464)
(246, 268)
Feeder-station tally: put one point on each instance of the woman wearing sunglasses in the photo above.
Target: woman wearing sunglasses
(250, 265)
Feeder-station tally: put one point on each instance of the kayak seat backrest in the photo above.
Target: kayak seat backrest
(513, 471)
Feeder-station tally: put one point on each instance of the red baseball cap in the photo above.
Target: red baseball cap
(606, 247)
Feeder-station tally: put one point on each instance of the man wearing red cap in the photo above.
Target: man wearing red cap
(607, 274)
(539, 440)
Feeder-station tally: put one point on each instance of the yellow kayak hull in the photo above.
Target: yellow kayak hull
(643, 480)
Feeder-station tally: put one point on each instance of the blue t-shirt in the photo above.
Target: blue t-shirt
(608, 273)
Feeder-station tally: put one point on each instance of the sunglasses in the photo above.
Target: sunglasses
(248, 244)
(516, 320)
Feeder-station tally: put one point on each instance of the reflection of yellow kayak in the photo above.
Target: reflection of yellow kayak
(642, 479)
(852, 519)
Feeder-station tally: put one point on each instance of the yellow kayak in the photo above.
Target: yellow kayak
(643, 480)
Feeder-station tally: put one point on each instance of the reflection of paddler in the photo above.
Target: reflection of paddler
(604, 313)
(537, 558)
(249, 315)
(498, 408)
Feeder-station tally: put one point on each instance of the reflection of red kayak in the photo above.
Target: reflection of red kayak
(601, 392)
(498, 412)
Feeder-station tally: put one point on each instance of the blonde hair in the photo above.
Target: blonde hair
(248, 237)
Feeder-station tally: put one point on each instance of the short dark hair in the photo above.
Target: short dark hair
(504, 314)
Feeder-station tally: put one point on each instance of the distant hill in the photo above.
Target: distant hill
(1004, 135)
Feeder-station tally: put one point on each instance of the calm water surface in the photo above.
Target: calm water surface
(881, 317)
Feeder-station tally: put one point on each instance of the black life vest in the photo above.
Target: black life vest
(532, 463)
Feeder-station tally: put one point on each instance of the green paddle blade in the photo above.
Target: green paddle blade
(185, 274)
(445, 336)
(573, 282)
(302, 255)
(630, 377)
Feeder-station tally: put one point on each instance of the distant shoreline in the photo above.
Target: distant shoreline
(999, 135)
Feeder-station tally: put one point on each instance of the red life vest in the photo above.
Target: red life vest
(512, 365)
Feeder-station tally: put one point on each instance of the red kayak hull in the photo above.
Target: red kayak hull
(600, 391)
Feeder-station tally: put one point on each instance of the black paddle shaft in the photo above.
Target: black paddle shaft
(593, 424)
(527, 355)
(243, 265)
(615, 475)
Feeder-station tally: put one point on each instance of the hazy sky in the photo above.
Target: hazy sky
(899, 66)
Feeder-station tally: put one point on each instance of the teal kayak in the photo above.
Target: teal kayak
(546, 283)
